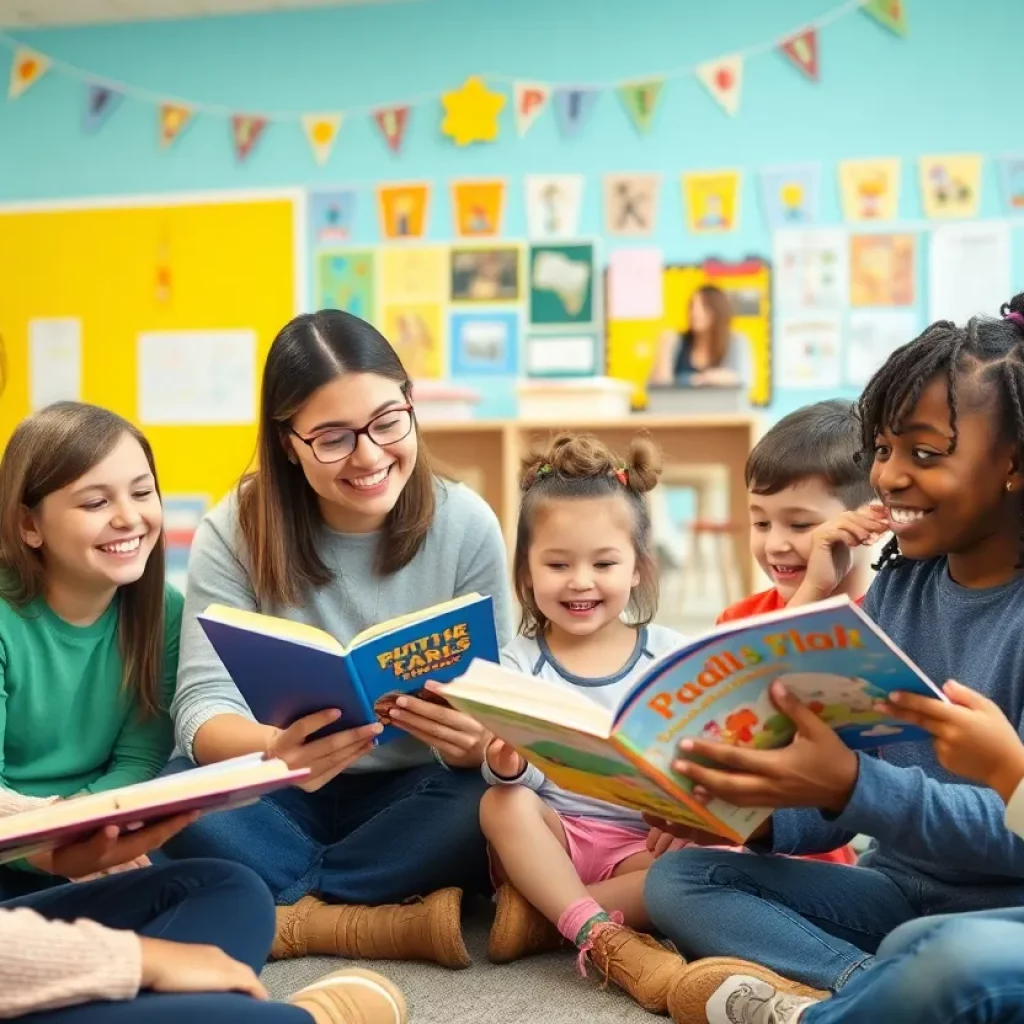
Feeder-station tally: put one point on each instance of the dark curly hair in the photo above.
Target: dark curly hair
(986, 350)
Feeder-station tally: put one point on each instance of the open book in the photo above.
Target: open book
(286, 670)
(830, 655)
(232, 783)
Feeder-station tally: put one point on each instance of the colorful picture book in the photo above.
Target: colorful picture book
(830, 655)
(286, 670)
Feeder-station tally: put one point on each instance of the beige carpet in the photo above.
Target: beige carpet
(543, 989)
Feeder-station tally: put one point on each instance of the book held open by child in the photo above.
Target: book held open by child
(830, 655)
(286, 670)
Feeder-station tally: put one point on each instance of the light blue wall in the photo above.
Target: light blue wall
(954, 85)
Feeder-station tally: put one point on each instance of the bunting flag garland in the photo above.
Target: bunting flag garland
(246, 130)
(100, 103)
(322, 132)
(173, 118)
(723, 78)
(471, 113)
(890, 13)
(392, 122)
(26, 69)
(572, 106)
(640, 100)
(530, 99)
(802, 52)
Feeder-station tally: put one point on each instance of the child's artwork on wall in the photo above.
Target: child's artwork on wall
(881, 270)
(1011, 181)
(553, 204)
(347, 280)
(556, 355)
(872, 336)
(413, 273)
(630, 204)
(484, 342)
(789, 195)
(182, 515)
(951, 185)
(870, 189)
(562, 284)
(330, 216)
(712, 201)
(485, 273)
(811, 269)
(477, 208)
(809, 352)
(403, 210)
(415, 330)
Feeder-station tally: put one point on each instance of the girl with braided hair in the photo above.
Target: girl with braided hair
(573, 867)
(943, 426)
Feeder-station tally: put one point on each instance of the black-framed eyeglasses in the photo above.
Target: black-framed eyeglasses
(390, 427)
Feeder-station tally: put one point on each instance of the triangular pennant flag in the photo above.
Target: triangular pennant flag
(723, 78)
(100, 103)
(322, 131)
(173, 118)
(802, 50)
(392, 122)
(245, 132)
(26, 69)
(890, 13)
(530, 99)
(640, 100)
(572, 105)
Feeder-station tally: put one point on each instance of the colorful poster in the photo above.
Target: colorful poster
(872, 337)
(572, 107)
(530, 99)
(881, 270)
(789, 195)
(330, 216)
(811, 269)
(471, 113)
(809, 354)
(553, 205)
(712, 201)
(724, 80)
(415, 332)
(485, 274)
(477, 208)
(182, 515)
(403, 210)
(1011, 182)
(870, 189)
(969, 269)
(561, 284)
(636, 284)
(413, 273)
(630, 204)
(347, 280)
(951, 185)
(485, 343)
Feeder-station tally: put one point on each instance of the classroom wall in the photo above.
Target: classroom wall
(952, 86)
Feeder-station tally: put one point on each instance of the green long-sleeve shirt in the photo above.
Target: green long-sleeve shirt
(66, 723)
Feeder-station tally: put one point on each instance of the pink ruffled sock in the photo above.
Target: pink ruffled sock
(578, 918)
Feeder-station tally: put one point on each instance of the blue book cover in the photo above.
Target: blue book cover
(286, 670)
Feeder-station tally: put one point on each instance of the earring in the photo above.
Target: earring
(1009, 485)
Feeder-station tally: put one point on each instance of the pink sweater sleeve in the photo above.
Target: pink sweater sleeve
(48, 964)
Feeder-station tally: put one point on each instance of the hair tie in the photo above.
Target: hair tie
(621, 475)
(543, 470)
(1017, 318)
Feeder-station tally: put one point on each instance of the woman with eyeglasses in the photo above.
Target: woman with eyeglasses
(344, 525)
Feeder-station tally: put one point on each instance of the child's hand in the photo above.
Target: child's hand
(972, 735)
(831, 546)
(659, 842)
(504, 761)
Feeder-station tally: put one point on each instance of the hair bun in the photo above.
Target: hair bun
(643, 464)
(1014, 311)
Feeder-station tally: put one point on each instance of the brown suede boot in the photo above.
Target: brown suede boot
(638, 964)
(519, 929)
(352, 996)
(420, 929)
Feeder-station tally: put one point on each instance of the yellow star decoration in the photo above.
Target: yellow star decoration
(471, 113)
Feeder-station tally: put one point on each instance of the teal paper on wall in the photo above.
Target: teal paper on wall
(346, 280)
(561, 284)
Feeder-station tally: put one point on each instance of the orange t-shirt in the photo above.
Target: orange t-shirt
(760, 604)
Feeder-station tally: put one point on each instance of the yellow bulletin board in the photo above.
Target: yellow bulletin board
(223, 264)
(632, 344)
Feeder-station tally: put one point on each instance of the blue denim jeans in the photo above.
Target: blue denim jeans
(365, 837)
(947, 969)
(203, 901)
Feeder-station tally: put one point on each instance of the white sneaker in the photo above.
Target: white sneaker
(741, 999)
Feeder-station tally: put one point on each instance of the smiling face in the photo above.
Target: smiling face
(943, 502)
(781, 526)
(581, 563)
(97, 533)
(356, 493)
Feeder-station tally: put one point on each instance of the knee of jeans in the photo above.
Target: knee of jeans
(670, 879)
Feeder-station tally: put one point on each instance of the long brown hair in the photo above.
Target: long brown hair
(718, 305)
(49, 451)
(278, 516)
(577, 466)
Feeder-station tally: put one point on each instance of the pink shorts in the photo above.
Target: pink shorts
(597, 847)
